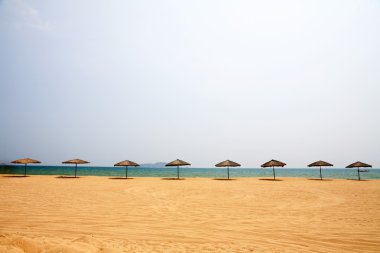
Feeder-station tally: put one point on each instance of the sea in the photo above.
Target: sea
(189, 172)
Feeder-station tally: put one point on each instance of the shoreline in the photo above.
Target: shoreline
(269, 178)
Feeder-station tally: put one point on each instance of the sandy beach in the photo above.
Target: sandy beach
(99, 214)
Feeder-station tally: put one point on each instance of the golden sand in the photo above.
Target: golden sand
(97, 214)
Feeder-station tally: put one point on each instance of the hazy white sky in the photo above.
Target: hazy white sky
(202, 81)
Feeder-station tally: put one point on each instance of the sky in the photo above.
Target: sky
(203, 81)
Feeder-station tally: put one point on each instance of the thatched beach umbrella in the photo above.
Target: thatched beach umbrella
(273, 163)
(359, 165)
(178, 163)
(127, 163)
(320, 164)
(228, 164)
(76, 162)
(25, 161)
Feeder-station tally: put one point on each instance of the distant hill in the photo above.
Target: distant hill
(153, 165)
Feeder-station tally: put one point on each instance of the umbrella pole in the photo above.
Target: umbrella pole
(76, 169)
(228, 172)
(25, 170)
(358, 174)
(177, 172)
(126, 172)
(320, 172)
(274, 173)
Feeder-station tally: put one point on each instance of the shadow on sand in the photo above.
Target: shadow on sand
(66, 177)
(318, 179)
(224, 179)
(270, 179)
(357, 179)
(172, 178)
(17, 176)
(121, 178)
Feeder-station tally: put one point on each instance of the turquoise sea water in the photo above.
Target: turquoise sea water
(189, 172)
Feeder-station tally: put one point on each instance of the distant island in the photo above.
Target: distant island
(153, 165)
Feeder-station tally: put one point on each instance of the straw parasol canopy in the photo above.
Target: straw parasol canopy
(25, 161)
(177, 163)
(228, 164)
(127, 163)
(320, 164)
(273, 163)
(76, 162)
(359, 165)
